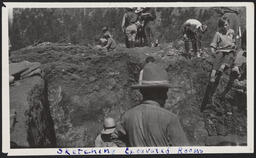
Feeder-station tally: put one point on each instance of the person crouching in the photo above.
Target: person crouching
(105, 138)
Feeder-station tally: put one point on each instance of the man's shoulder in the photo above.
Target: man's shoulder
(167, 113)
(135, 108)
(142, 107)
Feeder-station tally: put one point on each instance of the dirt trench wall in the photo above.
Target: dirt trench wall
(32, 125)
(85, 85)
(84, 95)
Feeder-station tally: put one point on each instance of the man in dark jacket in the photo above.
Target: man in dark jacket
(149, 124)
(147, 16)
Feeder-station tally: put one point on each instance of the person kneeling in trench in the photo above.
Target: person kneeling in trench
(149, 124)
(105, 138)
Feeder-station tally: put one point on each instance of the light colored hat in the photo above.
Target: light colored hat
(109, 126)
(152, 76)
(139, 9)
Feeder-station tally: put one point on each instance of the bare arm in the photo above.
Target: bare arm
(123, 23)
(213, 50)
(107, 46)
(215, 42)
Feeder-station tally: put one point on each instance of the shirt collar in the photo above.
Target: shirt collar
(151, 102)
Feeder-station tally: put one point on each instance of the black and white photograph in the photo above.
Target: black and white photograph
(128, 76)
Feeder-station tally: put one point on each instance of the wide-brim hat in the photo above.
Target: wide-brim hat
(108, 131)
(109, 126)
(152, 75)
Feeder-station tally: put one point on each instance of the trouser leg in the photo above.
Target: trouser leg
(206, 96)
(133, 39)
(199, 44)
(210, 90)
(233, 75)
(187, 48)
(127, 42)
(147, 35)
(194, 46)
(199, 37)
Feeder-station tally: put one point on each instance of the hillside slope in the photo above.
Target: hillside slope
(85, 85)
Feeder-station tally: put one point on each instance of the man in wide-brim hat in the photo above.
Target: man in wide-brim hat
(149, 124)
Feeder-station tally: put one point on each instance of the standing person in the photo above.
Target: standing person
(149, 124)
(105, 138)
(238, 73)
(148, 16)
(129, 27)
(140, 37)
(192, 31)
(223, 47)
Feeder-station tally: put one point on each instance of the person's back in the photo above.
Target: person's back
(110, 43)
(192, 24)
(150, 125)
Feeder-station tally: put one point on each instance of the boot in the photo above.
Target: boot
(232, 77)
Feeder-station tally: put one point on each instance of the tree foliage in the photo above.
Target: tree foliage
(82, 25)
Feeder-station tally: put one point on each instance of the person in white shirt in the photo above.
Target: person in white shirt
(192, 31)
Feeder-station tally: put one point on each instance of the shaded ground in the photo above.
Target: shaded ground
(86, 85)
(31, 122)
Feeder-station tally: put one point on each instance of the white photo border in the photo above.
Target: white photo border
(117, 151)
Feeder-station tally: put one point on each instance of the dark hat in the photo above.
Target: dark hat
(152, 75)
